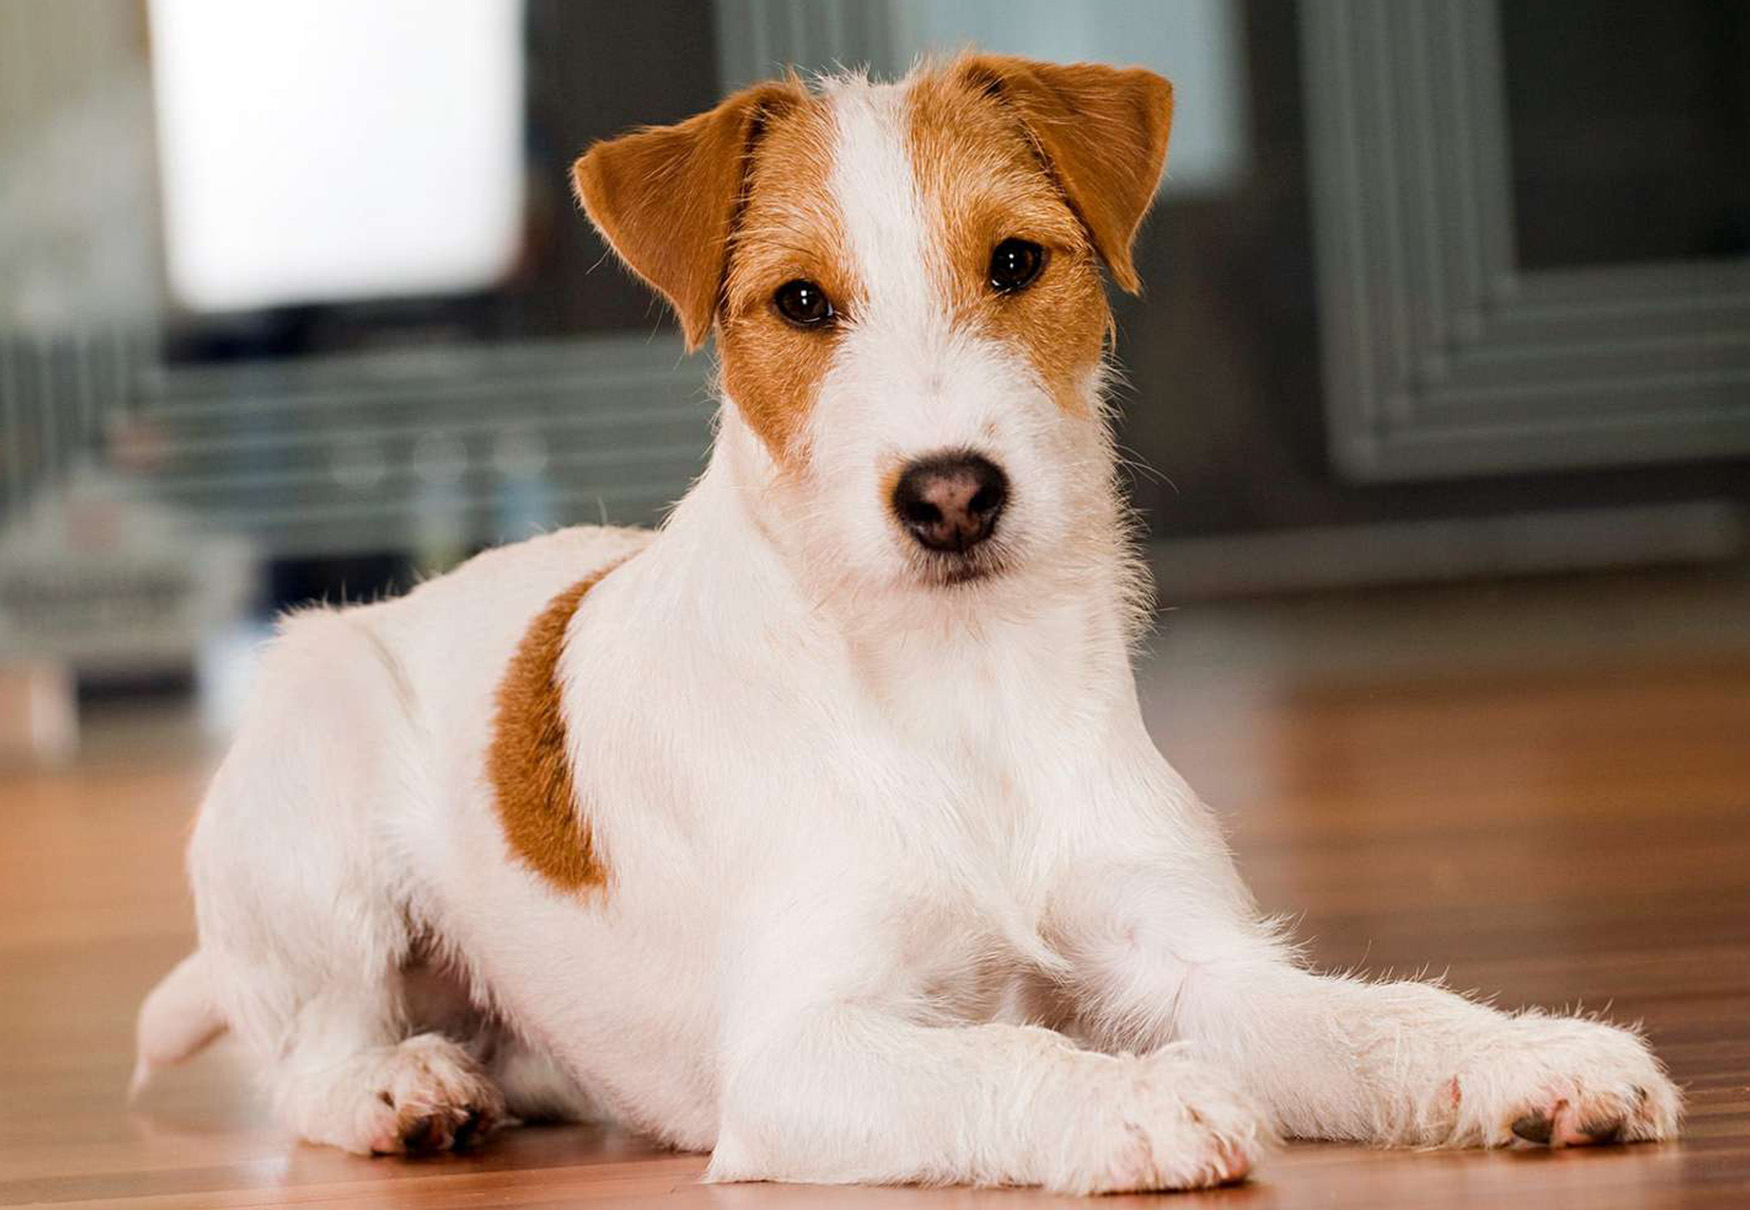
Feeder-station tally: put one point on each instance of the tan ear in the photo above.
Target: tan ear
(665, 198)
(1101, 130)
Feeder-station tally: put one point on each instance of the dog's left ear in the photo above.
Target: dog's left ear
(1101, 130)
(665, 198)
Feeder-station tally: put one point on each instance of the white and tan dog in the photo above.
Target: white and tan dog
(820, 829)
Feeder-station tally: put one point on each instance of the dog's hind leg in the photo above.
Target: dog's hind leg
(536, 1088)
(440, 998)
(306, 925)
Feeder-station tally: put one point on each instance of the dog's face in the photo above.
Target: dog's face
(905, 282)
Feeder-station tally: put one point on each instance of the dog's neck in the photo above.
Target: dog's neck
(1070, 621)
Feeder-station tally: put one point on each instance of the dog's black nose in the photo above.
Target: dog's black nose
(951, 502)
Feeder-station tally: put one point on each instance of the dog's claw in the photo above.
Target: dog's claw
(425, 1135)
(1534, 1128)
(1604, 1132)
(468, 1133)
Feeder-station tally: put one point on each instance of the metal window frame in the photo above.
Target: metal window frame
(1442, 357)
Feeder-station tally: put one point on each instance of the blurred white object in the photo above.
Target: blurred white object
(39, 719)
(329, 149)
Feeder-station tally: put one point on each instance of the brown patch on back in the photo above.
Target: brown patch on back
(787, 228)
(529, 764)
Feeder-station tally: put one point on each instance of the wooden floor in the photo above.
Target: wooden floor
(1542, 791)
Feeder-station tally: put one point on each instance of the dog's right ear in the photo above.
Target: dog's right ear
(665, 198)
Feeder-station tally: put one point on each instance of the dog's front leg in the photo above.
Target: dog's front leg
(854, 1082)
(1168, 949)
(1412, 1063)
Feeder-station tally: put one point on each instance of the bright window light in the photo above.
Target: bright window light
(322, 150)
(1197, 44)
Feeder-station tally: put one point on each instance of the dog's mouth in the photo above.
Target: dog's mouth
(962, 569)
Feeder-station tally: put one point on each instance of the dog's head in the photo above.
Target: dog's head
(905, 284)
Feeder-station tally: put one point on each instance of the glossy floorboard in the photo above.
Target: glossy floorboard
(1555, 822)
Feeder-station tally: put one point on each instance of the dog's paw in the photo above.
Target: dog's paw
(1165, 1121)
(1562, 1082)
(423, 1096)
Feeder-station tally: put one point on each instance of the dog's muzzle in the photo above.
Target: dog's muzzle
(949, 503)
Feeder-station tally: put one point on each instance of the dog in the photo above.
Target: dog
(820, 829)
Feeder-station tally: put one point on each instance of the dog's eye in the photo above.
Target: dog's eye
(804, 304)
(1014, 264)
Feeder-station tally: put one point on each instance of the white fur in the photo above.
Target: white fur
(900, 887)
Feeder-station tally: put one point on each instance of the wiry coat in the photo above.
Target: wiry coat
(775, 834)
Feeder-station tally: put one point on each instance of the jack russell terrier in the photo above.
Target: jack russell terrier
(819, 829)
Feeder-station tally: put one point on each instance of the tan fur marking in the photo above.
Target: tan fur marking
(665, 197)
(980, 177)
(788, 228)
(528, 762)
(1102, 131)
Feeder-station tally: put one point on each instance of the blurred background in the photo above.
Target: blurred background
(295, 304)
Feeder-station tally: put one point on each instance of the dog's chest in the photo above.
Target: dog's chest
(970, 954)
(990, 714)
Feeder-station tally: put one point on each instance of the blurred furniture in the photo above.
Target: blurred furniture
(101, 581)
